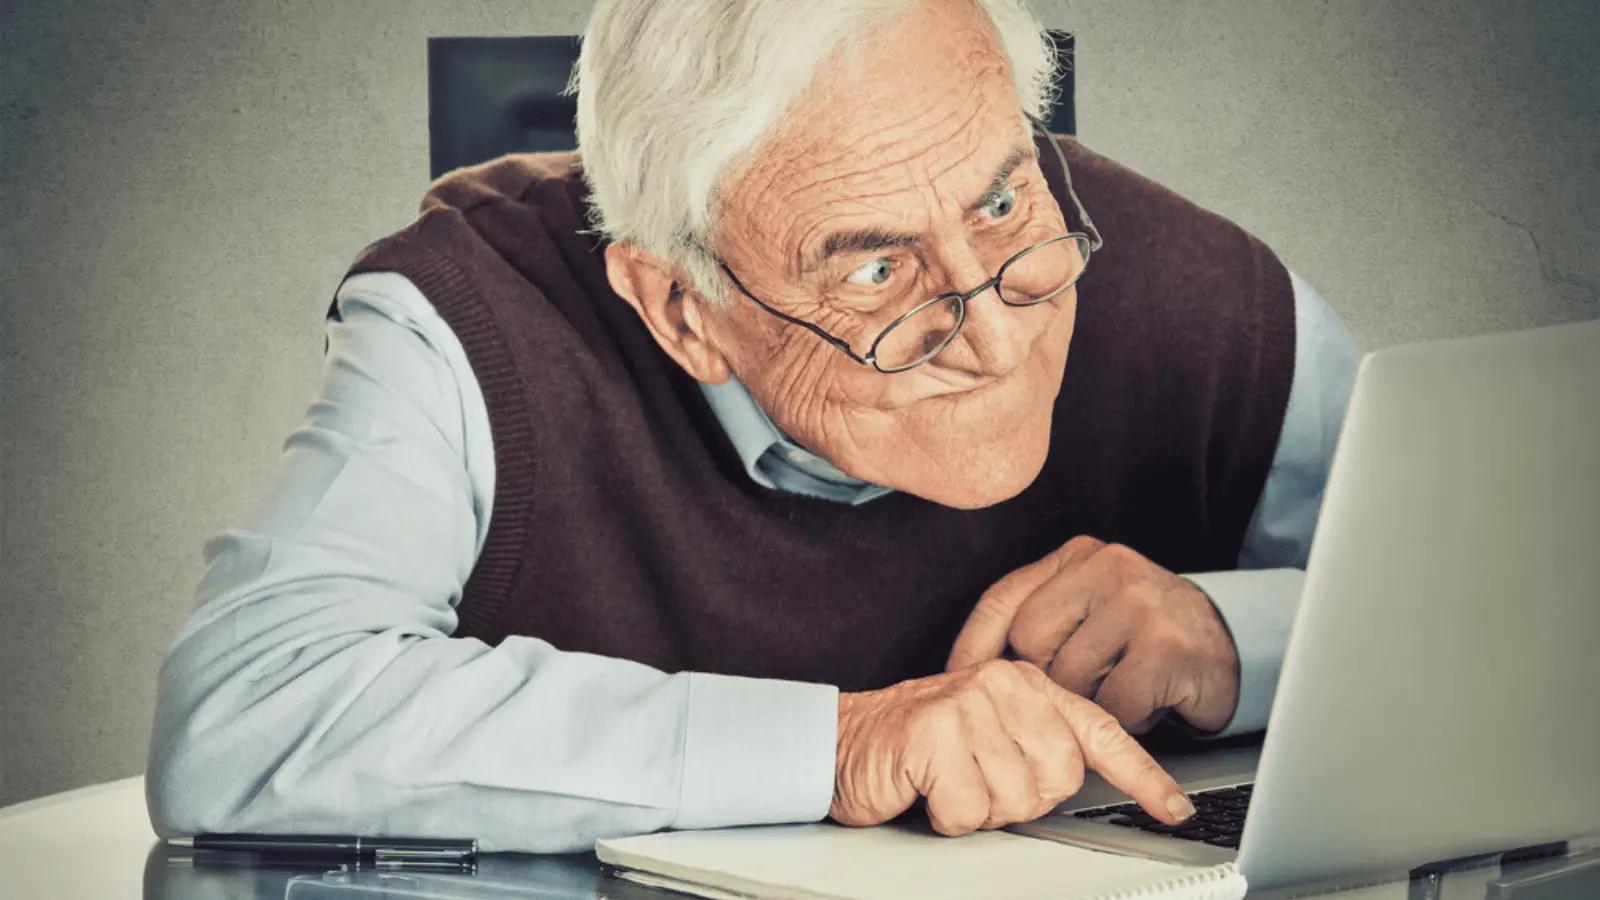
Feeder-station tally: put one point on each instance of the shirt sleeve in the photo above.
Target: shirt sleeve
(317, 687)
(1258, 602)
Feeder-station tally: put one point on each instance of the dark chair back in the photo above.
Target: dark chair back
(491, 96)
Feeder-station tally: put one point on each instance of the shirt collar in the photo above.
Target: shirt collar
(755, 436)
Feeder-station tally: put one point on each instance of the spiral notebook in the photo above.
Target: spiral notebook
(830, 862)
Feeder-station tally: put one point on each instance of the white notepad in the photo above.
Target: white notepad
(830, 862)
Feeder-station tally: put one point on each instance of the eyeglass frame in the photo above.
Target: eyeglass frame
(960, 297)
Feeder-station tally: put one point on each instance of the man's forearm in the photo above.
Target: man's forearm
(316, 725)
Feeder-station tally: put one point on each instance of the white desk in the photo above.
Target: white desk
(82, 844)
(94, 843)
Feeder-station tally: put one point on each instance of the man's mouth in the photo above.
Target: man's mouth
(974, 389)
(962, 390)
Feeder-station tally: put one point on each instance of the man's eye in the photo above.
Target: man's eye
(1001, 203)
(873, 273)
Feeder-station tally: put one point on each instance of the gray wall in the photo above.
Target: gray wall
(184, 182)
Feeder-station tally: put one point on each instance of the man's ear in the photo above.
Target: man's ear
(654, 288)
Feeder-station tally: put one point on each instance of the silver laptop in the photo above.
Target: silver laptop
(1441, 692)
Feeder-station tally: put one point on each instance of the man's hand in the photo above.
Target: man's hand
(1110, 625)
(988, 746)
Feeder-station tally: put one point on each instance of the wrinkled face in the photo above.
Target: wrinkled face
(907, 174)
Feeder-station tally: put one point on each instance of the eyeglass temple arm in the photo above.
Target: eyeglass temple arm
(837, 343)
(1066, 174)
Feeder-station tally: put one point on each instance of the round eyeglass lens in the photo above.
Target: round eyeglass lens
(1044, 271)
(920, 335)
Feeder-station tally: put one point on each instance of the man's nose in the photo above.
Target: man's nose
(995, 339)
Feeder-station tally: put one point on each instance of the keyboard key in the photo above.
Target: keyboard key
(1218, 820)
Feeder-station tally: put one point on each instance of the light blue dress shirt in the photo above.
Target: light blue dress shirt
(317, 686)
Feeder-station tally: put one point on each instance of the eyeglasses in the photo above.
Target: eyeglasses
(1036, 274)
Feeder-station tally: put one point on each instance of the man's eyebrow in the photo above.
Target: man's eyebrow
(861, 240)
(1019, 156)
(865, 240)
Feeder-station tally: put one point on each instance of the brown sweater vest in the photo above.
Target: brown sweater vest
(624, 524)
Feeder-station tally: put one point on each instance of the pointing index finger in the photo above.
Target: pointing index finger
(1119, 759)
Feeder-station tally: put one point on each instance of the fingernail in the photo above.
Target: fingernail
(1180, 806)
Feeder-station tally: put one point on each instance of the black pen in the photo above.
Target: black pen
(377, 850)
(187, 858)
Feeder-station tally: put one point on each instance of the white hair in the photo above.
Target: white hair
(676, 96)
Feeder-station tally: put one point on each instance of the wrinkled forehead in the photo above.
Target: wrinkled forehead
(925, 109)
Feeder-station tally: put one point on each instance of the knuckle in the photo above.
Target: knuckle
(1032, 646)
(855, 815)
(1085, 542)
(1146, 770)
(1120, 555)
(1174, 643)
(1063, 780)
(1150, 632)
(1011, 812)
(966, 708)
(1147, 597)
(1035, 679)
(995, 675)
(1166, 641)
(1105, 734)
(1069, 772)
(956, 820)
(1073, 782)
(1013, 798)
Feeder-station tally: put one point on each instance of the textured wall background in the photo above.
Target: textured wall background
(182, 182)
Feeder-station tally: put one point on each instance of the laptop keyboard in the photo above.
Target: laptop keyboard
(1218, 818)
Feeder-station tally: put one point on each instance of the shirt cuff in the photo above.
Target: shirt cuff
(1258, 607)
(757, 752)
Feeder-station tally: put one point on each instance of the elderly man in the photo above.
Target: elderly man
(775, 494)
